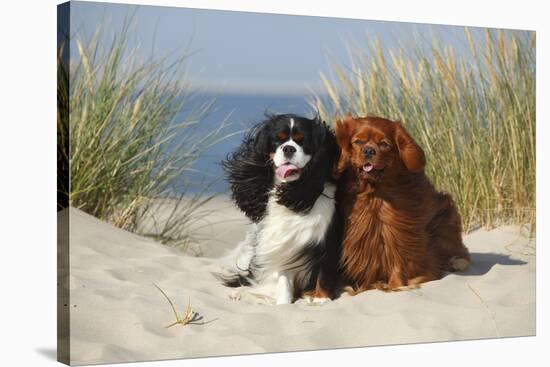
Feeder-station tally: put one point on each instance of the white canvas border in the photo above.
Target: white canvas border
(27, 152)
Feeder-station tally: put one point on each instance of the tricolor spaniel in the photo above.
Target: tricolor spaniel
(280, 177)
(399, 231)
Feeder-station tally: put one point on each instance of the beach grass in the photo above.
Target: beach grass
(473, 114)
(132, 135)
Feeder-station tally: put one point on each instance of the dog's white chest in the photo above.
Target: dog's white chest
(284, 233)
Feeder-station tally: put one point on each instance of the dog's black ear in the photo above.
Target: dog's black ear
(249, 172)
(300, 195)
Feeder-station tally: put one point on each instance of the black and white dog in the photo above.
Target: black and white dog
(281, 178)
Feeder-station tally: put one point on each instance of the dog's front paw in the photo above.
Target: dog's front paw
(385, 287)
(283, 300)
(313, 301)
(236, 295)
(382, 286)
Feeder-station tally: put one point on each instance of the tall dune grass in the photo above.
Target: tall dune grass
(128, 150)
(474, 115)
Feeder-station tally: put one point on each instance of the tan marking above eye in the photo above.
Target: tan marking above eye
(298, 137)
(281, 135)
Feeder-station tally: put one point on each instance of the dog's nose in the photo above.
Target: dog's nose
(369, 152)
(289, 150)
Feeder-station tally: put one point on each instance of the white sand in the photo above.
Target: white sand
(117, 315)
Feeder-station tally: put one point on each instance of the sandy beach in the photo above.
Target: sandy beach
(117, 314)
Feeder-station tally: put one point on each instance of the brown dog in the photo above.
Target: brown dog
(398, 230)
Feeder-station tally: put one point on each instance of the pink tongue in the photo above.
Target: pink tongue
(285, 170)
(368, 167)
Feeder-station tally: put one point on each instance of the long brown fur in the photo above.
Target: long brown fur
(398, 230)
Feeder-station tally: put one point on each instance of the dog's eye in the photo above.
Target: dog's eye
(359, 142)
(384, 144)
(298, 137)
(281, 136)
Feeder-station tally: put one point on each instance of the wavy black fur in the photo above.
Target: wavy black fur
(250, 172)
(234, 281)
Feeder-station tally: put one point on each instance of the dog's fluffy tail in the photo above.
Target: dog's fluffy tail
(236, 263)
(232, 280)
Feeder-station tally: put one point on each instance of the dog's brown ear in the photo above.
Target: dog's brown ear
(344, 130)
(410, 152)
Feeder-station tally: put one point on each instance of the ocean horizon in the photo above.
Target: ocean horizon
(240, 111)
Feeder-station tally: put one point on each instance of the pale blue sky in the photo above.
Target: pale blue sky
(253, 52)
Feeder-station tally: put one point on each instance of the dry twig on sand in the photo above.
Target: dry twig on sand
(190, 316)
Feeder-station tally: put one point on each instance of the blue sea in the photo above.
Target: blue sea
(240, 111)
